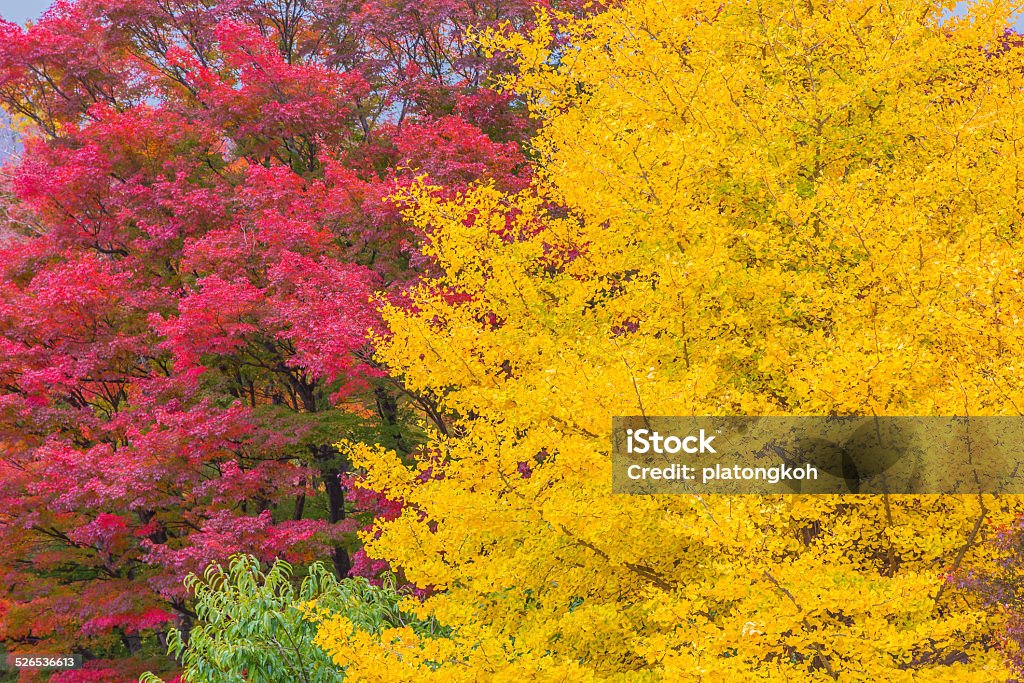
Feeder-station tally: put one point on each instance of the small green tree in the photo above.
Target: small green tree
(252, 627)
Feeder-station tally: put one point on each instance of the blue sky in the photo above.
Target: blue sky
(20, 10)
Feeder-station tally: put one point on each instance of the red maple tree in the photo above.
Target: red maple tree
(191, 247)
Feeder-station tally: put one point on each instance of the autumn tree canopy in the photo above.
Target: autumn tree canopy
(742, 208)
(272, 271)
(191, 244)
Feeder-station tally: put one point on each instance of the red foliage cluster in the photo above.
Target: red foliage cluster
(190, 250)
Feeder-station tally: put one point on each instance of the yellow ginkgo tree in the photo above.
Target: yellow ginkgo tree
(753, 207)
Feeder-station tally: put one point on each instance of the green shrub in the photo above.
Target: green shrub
(250, 626)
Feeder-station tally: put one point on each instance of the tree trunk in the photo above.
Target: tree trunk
(387, 408)
(331, 470)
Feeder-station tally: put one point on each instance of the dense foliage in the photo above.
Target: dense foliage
(191, 243)
(999, 585)
(256, 627)
(271, 272)
(769, 208)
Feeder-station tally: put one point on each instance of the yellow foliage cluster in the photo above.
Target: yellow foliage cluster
(752, 207)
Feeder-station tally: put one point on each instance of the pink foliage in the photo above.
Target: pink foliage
(195, 239)
(130, 623)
